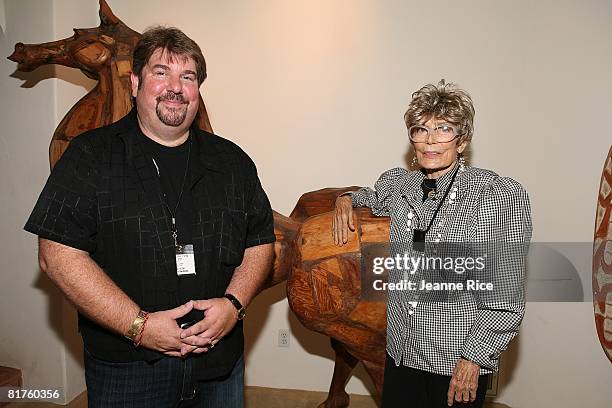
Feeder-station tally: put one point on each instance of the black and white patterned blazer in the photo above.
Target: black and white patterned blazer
(489, 213)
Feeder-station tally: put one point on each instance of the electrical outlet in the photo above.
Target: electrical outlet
(283, 338)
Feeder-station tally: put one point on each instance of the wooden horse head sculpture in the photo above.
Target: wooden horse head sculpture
(103, 53)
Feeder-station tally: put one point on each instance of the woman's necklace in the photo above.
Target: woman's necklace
(418, 237)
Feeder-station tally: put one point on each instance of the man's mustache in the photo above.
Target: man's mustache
(171, 96)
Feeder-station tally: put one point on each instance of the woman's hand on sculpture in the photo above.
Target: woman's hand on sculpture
(464, 382)
(342, 220)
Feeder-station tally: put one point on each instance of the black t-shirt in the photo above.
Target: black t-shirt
(172, 164)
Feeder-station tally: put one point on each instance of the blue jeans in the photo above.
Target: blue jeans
(165, 383)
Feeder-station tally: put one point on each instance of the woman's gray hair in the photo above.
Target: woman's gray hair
(444, 101)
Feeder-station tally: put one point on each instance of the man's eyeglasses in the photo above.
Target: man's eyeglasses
(443, 133)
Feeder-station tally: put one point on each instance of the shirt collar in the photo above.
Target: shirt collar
(205, 152)
(411, 188)
(443, 182)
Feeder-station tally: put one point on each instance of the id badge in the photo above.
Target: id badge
(185, 260)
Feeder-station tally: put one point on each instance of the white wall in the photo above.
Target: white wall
(31, 327)
(38, 325)
(315, 92)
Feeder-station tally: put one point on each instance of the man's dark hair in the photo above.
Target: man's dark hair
(170, 40)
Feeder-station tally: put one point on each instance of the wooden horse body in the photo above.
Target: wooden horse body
(330, 288)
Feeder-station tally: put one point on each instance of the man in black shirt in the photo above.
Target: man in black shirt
(161, 235)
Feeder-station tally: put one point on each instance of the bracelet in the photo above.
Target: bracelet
(139, 337)
(137, 325)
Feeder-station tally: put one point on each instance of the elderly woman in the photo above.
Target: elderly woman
(442, 347)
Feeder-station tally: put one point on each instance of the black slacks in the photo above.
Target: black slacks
(407, 387)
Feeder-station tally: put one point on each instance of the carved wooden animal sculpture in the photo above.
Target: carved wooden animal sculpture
(103, 53)
(602, 260)
(329, 288)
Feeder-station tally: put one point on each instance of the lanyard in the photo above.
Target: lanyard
(178, 201)
(419, 235)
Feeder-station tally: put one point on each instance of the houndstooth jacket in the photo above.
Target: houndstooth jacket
(487, 211)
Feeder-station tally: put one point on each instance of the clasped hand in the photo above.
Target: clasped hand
(163, 334)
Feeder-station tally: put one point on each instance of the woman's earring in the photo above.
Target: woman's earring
(414, 161)
(461, 162)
